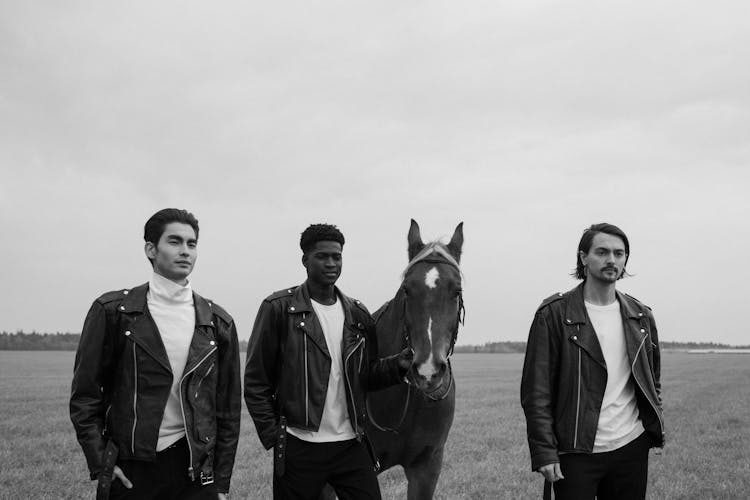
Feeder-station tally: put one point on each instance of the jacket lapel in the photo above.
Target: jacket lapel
(579, 328)
(635, 333)
(204, 337)
(304, 320)
(142, 329)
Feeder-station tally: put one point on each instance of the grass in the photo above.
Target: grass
(707, 401)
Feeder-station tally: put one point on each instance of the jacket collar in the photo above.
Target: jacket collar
(135, 301)
(145, 333)
(301, 302)
(576, 316)
(575, 312)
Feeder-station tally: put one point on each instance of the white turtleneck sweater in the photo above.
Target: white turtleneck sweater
(171, 307)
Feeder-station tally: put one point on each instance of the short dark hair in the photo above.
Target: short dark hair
(588, 238)
(154, 227)
(319, 232)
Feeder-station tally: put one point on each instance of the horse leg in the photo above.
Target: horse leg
(423, 476)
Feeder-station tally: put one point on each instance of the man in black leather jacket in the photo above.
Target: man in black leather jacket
(156, 394)
(311, 357)
(591, 386)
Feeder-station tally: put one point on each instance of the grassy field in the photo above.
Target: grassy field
(707, 400)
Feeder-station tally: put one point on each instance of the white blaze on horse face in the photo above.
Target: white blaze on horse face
(427, 369)
(431, 277)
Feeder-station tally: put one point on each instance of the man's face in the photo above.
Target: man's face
(605, 261)
(323, 263)
(174, 256)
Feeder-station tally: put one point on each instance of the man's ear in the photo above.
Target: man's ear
(304, 259)
(150, 250)
(582, 257)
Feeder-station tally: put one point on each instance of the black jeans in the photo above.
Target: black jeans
(345, 465)
(164, 479)
(620, 474)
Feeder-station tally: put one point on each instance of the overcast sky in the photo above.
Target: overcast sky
(526, 120)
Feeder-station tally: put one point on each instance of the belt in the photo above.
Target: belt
(109, 459)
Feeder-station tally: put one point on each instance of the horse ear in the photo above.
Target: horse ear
(457, 242)
(415, 240)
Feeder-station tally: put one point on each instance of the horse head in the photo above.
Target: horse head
(433, 306)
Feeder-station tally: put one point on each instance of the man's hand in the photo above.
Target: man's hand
(406, 358)
(119, 474)
(551, 472)
(222, 496)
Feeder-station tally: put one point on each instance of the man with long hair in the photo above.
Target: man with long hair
(591, 386)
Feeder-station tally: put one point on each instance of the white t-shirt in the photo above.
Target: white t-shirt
(334, 424)
(619, 422)
(171, 307)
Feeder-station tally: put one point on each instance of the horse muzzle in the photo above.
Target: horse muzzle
(429, 375)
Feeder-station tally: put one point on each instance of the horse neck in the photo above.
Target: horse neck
(390, 328)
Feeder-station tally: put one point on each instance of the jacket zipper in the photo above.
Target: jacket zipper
(307, 397)
(203, 378)
(135, 401)
(578, 400)
(632, 370)
(349, 384)
(182, 409)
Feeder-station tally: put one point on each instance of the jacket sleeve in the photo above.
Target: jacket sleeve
(382, 372)
(93, 365)
(228, 408)
(538, 383)
(656, 358)
(261, 373)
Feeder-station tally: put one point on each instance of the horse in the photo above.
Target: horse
(408, 424)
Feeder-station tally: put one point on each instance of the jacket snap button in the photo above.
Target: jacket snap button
(643, 331)
(360, 325)
(567, 321)
(125, 292)
(302, 323)
(640, 315)
(291, 308)
(122, 308)
(289, 291)
(212, 343)
(212, 323)
(575, 337)
(127, 332)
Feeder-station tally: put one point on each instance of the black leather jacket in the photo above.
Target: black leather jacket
(122, 380)
(564, 375)
(288, 364)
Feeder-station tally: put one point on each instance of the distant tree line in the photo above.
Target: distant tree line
(21, 341)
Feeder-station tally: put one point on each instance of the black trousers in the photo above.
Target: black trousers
(164, 479)
(621, 474)
(345, 465)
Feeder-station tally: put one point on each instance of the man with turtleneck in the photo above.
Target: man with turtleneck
(155, 398)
